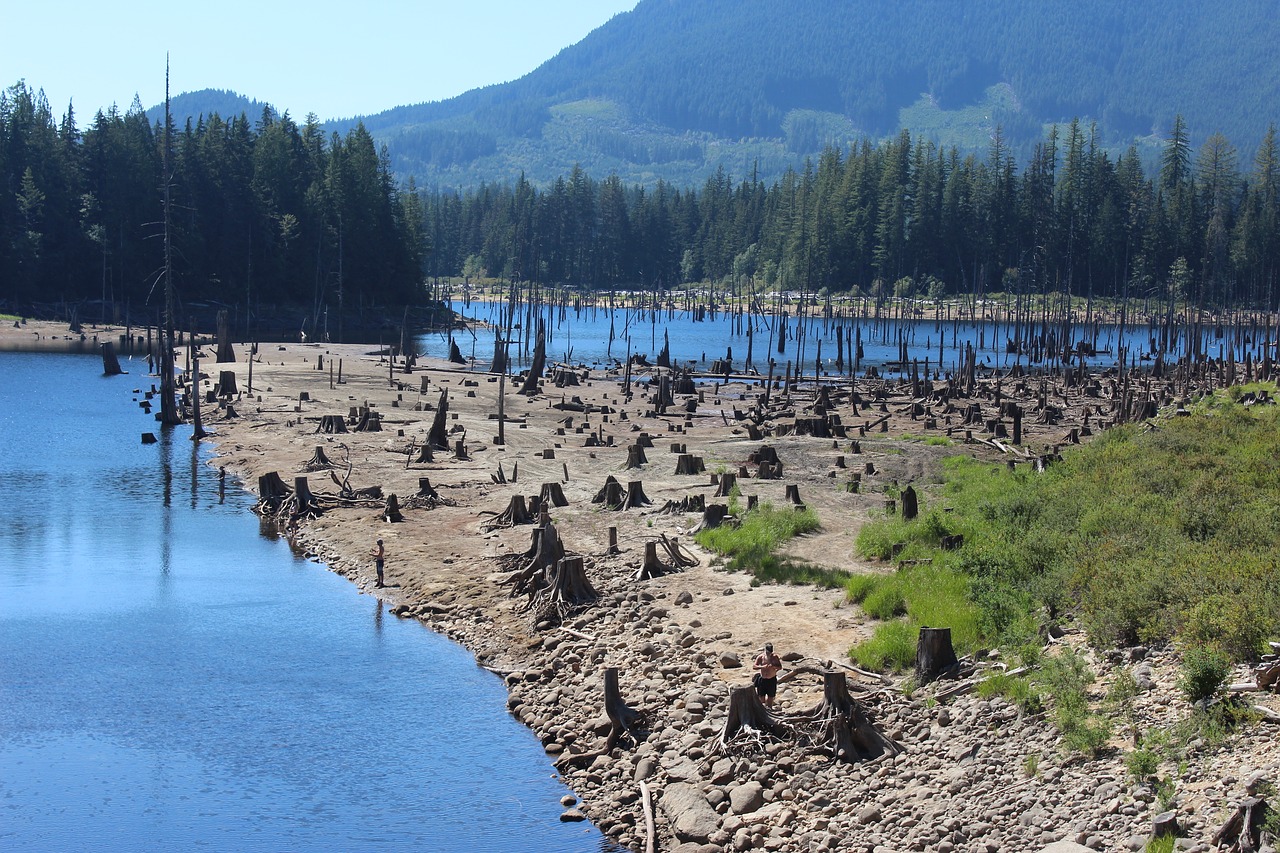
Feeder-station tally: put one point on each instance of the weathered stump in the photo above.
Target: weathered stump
(748, 725)
(934, 654)
(840, 727)
(272, 492)
(635, 495)
(727, 483)
(910, 505)
(331, 424)
(567, 588)
(391, 510)
(712, 517)
(515, 513)
(552, 495)
(227, 383)
(613, 548)
(306, 502)
(426, 490)
(688, 464)
(635, 456)
(793, 495)
(611, 494)
(438, 437)
(319, 460)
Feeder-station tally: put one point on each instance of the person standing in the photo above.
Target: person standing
(379, 556)
(767, 665)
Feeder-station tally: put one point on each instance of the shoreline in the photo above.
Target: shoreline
(960, 783)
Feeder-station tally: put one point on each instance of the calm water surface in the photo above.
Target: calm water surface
(170, 679)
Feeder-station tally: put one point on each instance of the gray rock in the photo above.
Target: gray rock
(568, 800)
(746, 798)
(729, 660)
(572, 816)
(684, 598)
(869, 815)
(691, 816)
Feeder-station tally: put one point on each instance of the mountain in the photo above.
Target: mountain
(676, 89)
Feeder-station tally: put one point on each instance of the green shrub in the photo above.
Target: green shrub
(858, 587)
(1142, 763)
(751, 546)
(1205, 669)
(892, 647)
(885, 601)
(1017, 689)
(1233, 622)
(1163, 844)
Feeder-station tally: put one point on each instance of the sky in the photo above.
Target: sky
(334, 59)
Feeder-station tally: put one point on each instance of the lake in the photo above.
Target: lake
(174, 677)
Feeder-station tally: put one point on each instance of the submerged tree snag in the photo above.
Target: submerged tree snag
(531, 379)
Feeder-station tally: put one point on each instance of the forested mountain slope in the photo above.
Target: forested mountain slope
(678, 88)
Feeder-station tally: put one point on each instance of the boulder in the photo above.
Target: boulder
(692, 817)
(746, 798)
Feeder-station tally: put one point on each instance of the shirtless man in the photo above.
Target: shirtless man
(766, 666)
(379, 555)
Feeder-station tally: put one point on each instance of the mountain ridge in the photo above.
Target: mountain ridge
(676, 90)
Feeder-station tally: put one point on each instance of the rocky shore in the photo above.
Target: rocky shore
(975, 774)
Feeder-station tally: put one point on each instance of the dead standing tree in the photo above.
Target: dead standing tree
(438, 437)
(531, 379)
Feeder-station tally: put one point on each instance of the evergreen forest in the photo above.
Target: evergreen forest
(275, 211)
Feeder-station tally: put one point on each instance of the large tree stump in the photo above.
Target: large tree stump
(839, 727)
(552, 495)
(635, 495)
(391, 510)
(1242, 833)
(331, 424)
(749, 725)
(651, 567)
(689, 503)
(727, 482)
(272, 492)
(455, 354)
(226, 353)
(623, 719)
(515, 513)
(438, 437)
(543, 554)
(712, 517)
(423, 454)
(369, 421)
(426, 490)
(689, 464)
(934, 654)
(531, 379)
(611, 494)
(635, 456)
(227, 383)
(793, 495)
(566, 589)
(306, 502)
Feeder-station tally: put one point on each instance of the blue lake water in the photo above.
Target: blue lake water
(584, 337)
(174, 678)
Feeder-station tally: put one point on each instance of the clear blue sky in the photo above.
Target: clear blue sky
(336, 59)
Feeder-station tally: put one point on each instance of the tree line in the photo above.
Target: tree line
(261, 212)
(903, 218)
(276, 212)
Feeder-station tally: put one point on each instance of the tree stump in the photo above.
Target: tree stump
(1242, 833)
(613, 548)
(545, 551)
(426, 490)
(793, 495)
(391, 510)
(110, 362)
(530, 384)
(635, 495)
(840, 727)
(515, 513)
(727, 483)
(369, 421)
(712, 517)
(423, 454)
(460, 449)
(438, 437)
(227, 383)
(319, 460)
(567, 588)
(553, 495)
(611, 494)
(910, 506)
(748, 725)
(688, 464)
(623, 719)
(934, 654)
(651, 567)
(306, 502)
(635, 456)
(272, 492)
(331, 424)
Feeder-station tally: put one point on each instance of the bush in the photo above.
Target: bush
(858, 587)
(892, 647)
(1205, 669)
(1142, 763)
(885, 602)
